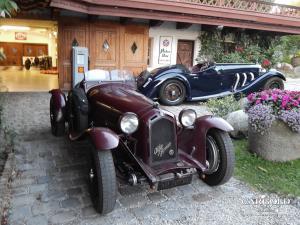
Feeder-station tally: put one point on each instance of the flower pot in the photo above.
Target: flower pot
(280, 143)
(296, 61)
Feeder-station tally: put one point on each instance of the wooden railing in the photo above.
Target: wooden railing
(252, 5)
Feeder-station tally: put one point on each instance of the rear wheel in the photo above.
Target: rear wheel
(172, 92)
(57, 128)
(102, 180)
(219, 158)
(274, 83)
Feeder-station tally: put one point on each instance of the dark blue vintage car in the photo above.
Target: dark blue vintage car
(172, 85)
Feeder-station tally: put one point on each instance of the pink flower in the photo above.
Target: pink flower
(251, 97)
(285, 100)
(258, 101)
(274, 97)
(264, 97)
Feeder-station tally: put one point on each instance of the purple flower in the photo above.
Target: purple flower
(260, 118)
(291, 118)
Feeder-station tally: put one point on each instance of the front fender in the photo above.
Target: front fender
(257, 84)
(58, 104)
(102, 138)
(193, 141)
(153, 88)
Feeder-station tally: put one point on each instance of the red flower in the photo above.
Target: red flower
(266, 63)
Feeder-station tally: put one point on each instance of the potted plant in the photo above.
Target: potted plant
(274, 124)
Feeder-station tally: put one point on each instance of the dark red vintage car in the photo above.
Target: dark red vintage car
(132, 139)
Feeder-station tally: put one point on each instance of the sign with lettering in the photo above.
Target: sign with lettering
(20, 36)
(165, 50)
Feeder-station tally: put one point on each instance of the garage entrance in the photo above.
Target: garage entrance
(29, 48)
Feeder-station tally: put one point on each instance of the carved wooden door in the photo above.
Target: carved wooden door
(185, 53)
(134, 48)
(104, 46)
(70, 33)
(13, 53)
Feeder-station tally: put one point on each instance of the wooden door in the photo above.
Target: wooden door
(35, 49)
(13, 53)
(104, 46)
(70, 32)
(185, 53)
(134, 48)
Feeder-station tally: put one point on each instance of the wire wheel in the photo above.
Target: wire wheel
(172, 92)
(213, 157)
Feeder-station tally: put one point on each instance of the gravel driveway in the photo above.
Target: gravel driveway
(49, 185)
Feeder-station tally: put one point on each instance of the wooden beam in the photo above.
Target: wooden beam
(92, 18)
(155, 23)
(181, 7)
(55, 13)
(175, 17)
(182, 26)
(125, 20)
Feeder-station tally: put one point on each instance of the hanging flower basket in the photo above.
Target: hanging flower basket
(274, 124)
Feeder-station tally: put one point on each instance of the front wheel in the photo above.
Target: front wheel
(219, 158)
(102, 180)
(274, 83)
(172, 92)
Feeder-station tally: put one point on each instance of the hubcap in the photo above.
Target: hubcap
(173, 92)
(275, 85)
(213, 156)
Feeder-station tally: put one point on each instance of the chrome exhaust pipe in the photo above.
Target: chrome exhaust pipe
(236, 82)
(245, 79)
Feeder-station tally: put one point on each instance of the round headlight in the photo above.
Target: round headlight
(187, 117)
(129, 123)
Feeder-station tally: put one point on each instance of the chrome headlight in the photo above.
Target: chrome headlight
(187, 117)
(129, 123)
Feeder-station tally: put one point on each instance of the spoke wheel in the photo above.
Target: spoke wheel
(274, 83)
(213, 157)
(172, 92)
(219, 158)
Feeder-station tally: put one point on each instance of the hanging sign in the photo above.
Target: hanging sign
(165, 50)
(20, 36)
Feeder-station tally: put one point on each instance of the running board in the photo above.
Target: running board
(213, 96)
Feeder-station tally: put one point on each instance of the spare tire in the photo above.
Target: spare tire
(79, 110)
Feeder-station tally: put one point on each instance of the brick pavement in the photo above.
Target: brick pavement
(50, 188)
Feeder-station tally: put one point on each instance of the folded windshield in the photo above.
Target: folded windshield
(110, 76)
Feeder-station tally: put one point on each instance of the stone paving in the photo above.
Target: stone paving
(49, 185)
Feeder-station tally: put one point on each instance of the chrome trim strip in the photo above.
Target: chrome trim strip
(252, 76)
(245, 79)
(236, 82)
(212, 96)
(148, 82)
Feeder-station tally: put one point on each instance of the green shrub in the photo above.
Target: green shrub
(222, 106)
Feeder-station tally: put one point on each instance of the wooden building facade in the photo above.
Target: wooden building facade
(116, 41)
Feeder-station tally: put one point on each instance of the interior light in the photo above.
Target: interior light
(7, 27)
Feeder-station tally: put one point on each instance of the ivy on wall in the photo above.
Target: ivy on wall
(243, 46)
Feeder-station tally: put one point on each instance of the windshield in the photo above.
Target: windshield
(98, 75)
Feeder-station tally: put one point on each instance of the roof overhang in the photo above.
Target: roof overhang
(189, 12)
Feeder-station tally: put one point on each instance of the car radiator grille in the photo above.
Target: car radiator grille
(163, 140)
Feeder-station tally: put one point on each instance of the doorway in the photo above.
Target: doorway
(29, 55)
(185, 53)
